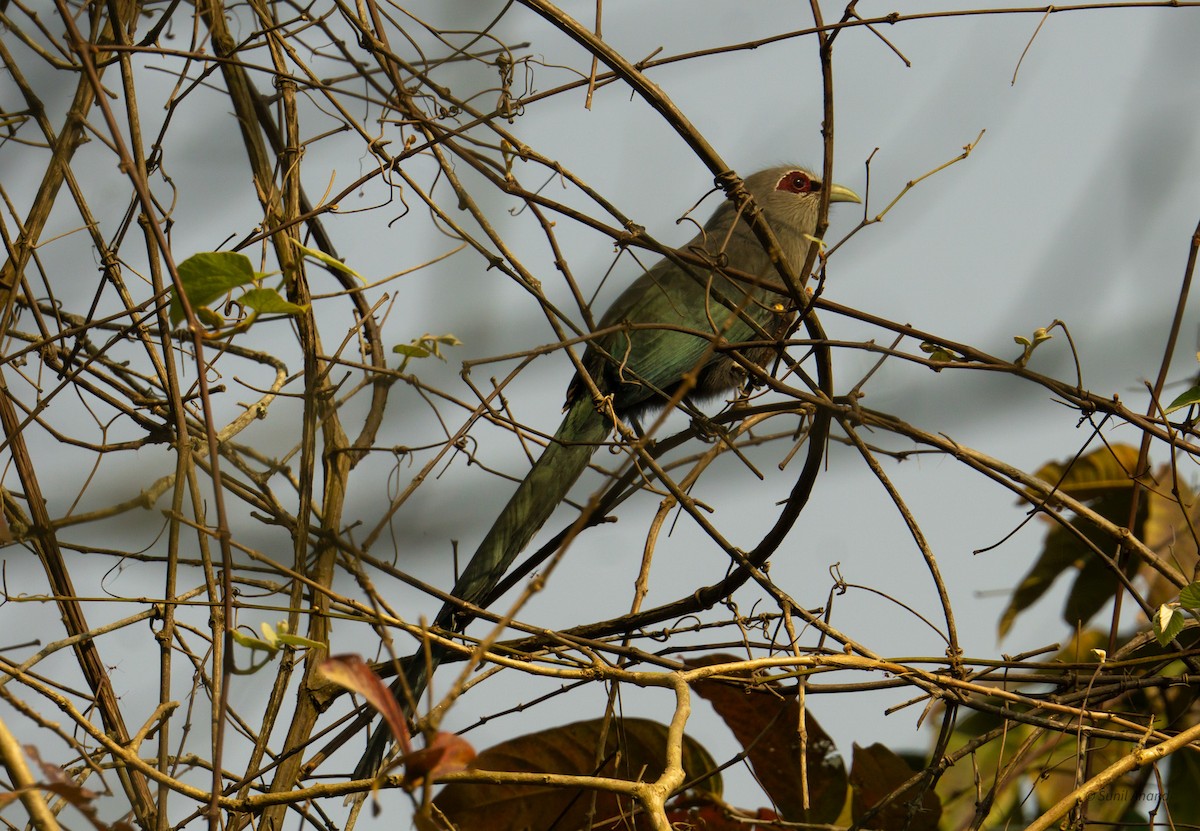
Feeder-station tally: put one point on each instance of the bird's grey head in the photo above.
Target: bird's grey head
(790, 196)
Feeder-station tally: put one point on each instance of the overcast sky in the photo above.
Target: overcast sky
(1078, 204)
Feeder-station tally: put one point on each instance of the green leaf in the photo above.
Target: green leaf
(299, 641)
(1102, 480)
(425, 346)
(1183, 781)
(1168, 622)
(211, 319)
(1039, 336)
(1186, 399)
(1039, 768)
(1189, 598)
(209, 276)
(938, 352)
(273, 638)
(325, 259)
(1094, 585)
(251, 642)
(409, 351)
(280, 635)
(269, 301)
(442, 340)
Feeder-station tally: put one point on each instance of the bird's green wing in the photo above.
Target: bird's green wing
(642, 363)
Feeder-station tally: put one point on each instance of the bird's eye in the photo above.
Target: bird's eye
(796, 182)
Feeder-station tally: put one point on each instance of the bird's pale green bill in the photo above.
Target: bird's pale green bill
(841, 193)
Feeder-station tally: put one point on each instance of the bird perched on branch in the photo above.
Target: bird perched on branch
(640, 367)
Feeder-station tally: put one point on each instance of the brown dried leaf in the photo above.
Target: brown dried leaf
(707, 813)
(765, 720)
(71, 792)
(874, 774)
(633, 750)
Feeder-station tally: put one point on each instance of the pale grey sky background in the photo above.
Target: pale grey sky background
(1078, 204)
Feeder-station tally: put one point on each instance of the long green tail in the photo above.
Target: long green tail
(537, 496)
(539, 493)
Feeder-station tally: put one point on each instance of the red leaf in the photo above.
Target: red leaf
(448, 753)
(353, 673)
